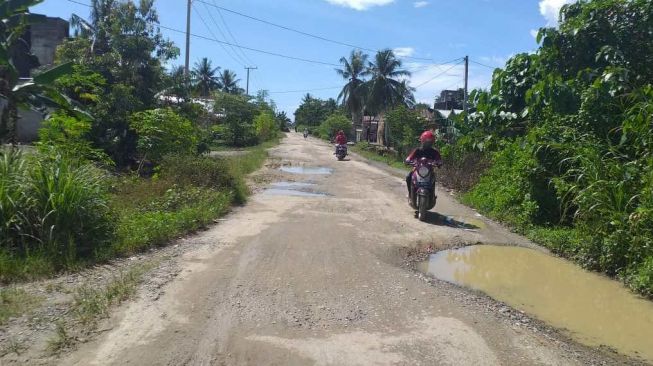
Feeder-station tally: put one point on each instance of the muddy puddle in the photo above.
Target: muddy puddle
(590, 308)
(295, 189)
(306, 170)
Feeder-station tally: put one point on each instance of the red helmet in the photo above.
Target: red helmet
(427, 136)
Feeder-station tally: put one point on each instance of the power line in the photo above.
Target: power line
(270, 53)
(302, 32)
(217, 26)
(437, 76)
(251, 49)
(305, 90)
(226, 26)
(484, 65)
(213, 34)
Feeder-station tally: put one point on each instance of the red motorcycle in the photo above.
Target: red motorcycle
(422, 188)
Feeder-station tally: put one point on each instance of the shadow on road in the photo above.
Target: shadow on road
(435, 218)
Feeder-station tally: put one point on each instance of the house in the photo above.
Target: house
(42, 40)
(450, 99)
(369, 129)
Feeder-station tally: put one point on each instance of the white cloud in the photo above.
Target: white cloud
(404, 51)
(534, 33)
(360, 4)
(550, 10)
(420, 4)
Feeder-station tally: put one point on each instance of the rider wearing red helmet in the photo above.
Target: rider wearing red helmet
(426, 150)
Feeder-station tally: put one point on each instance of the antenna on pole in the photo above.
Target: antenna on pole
(187, 64)
(248, 69)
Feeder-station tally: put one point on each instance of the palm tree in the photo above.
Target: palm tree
(204, 76)
(386, 89)
(352, 95)
(229, 83)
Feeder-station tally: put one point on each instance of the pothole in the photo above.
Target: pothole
(591, 308)
(306, 170)
(297, 189)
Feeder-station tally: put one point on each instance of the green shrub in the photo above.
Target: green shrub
(70, 136)
(53, 213)
(161, 132)
(333, 124)
(505, 190)
(188, 170)
(265, 125)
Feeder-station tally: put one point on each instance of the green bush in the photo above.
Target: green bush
(265, 125)
(333, 124)
(505, 190)
(161, 132)
(53, 213)
(188, 170)
(70, 136)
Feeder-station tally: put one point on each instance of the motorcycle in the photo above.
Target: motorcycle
(305, 134)
(422, 188)
(341, 151)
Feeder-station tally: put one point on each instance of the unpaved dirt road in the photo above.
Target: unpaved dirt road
(291, 280)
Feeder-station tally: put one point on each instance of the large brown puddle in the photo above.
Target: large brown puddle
(592, 309)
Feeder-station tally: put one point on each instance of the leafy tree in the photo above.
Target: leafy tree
(161, 132)
(352, 94)
(265, 126)
(123, 43)
(283, 121)
(229, 82)
(404, 128)
(236, 119)
(333, 124)
(314, 111)
(205, 78)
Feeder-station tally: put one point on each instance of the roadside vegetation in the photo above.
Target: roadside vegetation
(122, 162)
(560, 146)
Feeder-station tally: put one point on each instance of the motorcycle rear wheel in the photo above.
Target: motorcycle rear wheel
(421, 208)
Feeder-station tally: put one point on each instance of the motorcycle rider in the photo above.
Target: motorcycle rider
(426, 150)
(341, 138)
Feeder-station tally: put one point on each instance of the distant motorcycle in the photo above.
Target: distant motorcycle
(341, 152)
(305, 134)
(422, 189)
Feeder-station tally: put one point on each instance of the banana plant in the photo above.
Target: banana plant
(36, 93)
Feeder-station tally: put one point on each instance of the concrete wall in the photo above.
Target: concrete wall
(45, 37)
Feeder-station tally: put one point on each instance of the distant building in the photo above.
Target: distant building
(450, 99)
(42, 40)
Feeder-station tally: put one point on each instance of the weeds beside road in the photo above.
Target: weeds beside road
(61, 214)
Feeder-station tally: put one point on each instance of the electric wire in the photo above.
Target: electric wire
(322, 38)
(213, 34)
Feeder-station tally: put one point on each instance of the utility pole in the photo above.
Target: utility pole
(465, 107)
(187, 64)
(248, 69)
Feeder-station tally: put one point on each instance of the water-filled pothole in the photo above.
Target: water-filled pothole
(593, 309)
(296, 189)
(306, 170)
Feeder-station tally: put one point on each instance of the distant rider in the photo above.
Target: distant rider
(341, 138)
(426, 150)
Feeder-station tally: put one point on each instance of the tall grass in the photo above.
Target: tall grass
(53, 213)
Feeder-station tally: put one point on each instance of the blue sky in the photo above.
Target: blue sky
(489, 31)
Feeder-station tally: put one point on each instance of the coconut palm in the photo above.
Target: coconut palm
(229, 83)
(352, 95)
(205, 78)
(387, 87)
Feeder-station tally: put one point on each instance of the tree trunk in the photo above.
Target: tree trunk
(355, 121)
(380, 132)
